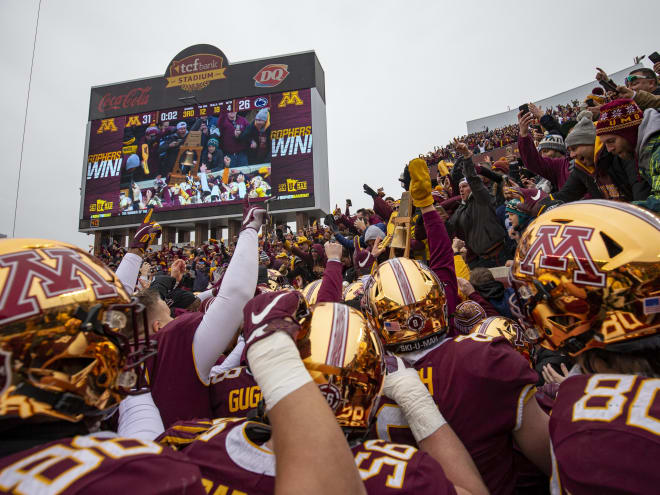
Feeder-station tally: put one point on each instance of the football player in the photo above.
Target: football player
(190, 344)
(338, 354)
(233, 391)
(587, 275)
(72, 345)
(482, 386)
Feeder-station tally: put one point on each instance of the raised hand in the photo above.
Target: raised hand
(146, 233)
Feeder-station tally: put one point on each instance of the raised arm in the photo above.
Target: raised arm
(441, 253)
(305, 431)
(224, 315)
(129, 268)
(331, 284)
(548, 168)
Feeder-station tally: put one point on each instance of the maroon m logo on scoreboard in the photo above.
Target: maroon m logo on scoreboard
(16, 300)
(553, 257)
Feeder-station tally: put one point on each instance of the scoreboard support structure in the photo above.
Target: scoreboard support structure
(201, 233)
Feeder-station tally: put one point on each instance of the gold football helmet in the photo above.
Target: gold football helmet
(275, 279)
(311, 291)
(72, 342)
(499, 326)
(406, 303)
(587, 275)
(346, 360)
(354, 290)
(467, 315)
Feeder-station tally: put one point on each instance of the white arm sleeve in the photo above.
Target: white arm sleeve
(128, 270)
(139, 418)
(225, 314)
(232, 361)
(205, 295)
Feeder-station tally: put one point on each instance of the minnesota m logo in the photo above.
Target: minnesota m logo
(32, 279)
(107, 125)
(290, 98)
(133, 120)
(553, 257)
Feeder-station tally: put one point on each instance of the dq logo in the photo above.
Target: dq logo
(553, 257)
(34, 278)
(101, 205)
(107, 125)
(290, 98)
(271, 75)
(293, 185)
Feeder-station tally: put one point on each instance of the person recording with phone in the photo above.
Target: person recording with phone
(549, 160)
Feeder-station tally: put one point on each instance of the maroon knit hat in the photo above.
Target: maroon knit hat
(621, 117)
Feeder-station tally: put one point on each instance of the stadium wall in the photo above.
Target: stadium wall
(511, 117)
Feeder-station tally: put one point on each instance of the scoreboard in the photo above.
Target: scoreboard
(194, 143)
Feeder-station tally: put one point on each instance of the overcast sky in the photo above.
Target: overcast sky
(401, 77)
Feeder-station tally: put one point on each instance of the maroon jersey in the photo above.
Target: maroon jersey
(177, 390)
(480, 384)
(99, 464)
(233, 393)
(229, 460)
(605, 434)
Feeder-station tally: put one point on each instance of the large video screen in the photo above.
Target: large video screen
(201, 155)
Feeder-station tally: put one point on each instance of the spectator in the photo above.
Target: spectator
(596, 171)
(213, 157)
(648, 153)
(475, 220)
(257, 138)
(492, 290)
(231, 126)
(643, 79)
(549, 162)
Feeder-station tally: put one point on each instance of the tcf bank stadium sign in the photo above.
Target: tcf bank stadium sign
(195, 72)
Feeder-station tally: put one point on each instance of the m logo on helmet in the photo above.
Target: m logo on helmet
(62, 271)
(553, 257)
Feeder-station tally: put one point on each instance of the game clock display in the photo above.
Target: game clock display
(201, 155)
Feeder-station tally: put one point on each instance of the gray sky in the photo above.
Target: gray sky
(401, 77)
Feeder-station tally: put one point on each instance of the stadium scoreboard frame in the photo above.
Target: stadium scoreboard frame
(285, 160)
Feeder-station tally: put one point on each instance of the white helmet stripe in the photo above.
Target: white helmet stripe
(402, 280)
(338, 336)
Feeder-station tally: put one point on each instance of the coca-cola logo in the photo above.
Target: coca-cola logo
(136, 97)
(271, 75)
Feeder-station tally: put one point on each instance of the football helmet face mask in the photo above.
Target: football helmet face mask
(406, 304)
(499, 326)
(346, 360)
(72, 342)
(587, 275)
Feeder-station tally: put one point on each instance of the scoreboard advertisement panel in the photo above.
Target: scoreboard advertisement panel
(227, 137)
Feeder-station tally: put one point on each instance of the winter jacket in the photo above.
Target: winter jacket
(496, 294)
(648, 150)
(228, 140)
(475, 220)
(647, 100)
